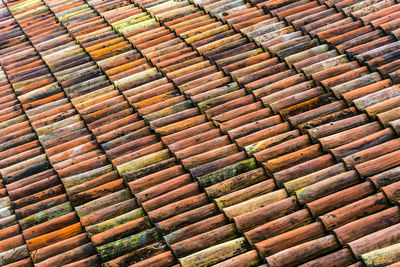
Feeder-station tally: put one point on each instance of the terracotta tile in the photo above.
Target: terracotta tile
(270, 6)
(130, 244)
(385, 255)
(337, 126)
(247, 118)
(359, 40)
(142, 93)
(281, 38)
(367, 225)
(236, 59)
(341, 198)
(247, 19)
(327, 186)
(369, 150)
(217, 164)
(297, 48)
(381, 16)
(163, 188)
(325, 64)
(221, 100)
(292, 96)
(364, 130)
(274, 34)
(199, 242)
(382, 104)
(369, 168)
(250, 257)
(173, 23)
(164, 258)
(132, 257)
(269, 79)
(185, 218)
(175, 208)
(211, 155)
(219, 111)
(284, 5)
(388, 116)
(227, 50)
(391, 67)
(122, 59)
(104, 226)
(365, 90)
(11, 243)
(270, 142)
(382, 238)
(254, 128)
(265, 214)
(121, 231)
(296, 255)
(253, 203)
(56, 236)
(252, 194)
(331, 117)
(11, 256)
(373, 44)
(21, 156)
(200, 148)
(282, 149)
(308, 9)
(362, 81)
(317, 14)
(261, 27)
(130, 146)
(303, 169)
(215, 40)
(343, 256)
(312, 109)
(321, 23)
(49, 226)
(251, 65)
(33, 187)
(245, 105)
(362, 207)
(11, 231)
(281, 85)
(395, 75)
(216, 186)
(36, 198)
(276, 48)
(211, 91)
(194, 229)
(174, 195)
(90, 261)
(289, 239)
(201, 84)
(304, 181)
(372, 8)
(377, 51)
(339, 74)
(183, 110)
(383, 60)
(215, 254)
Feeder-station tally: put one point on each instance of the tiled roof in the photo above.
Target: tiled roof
(199, 133)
